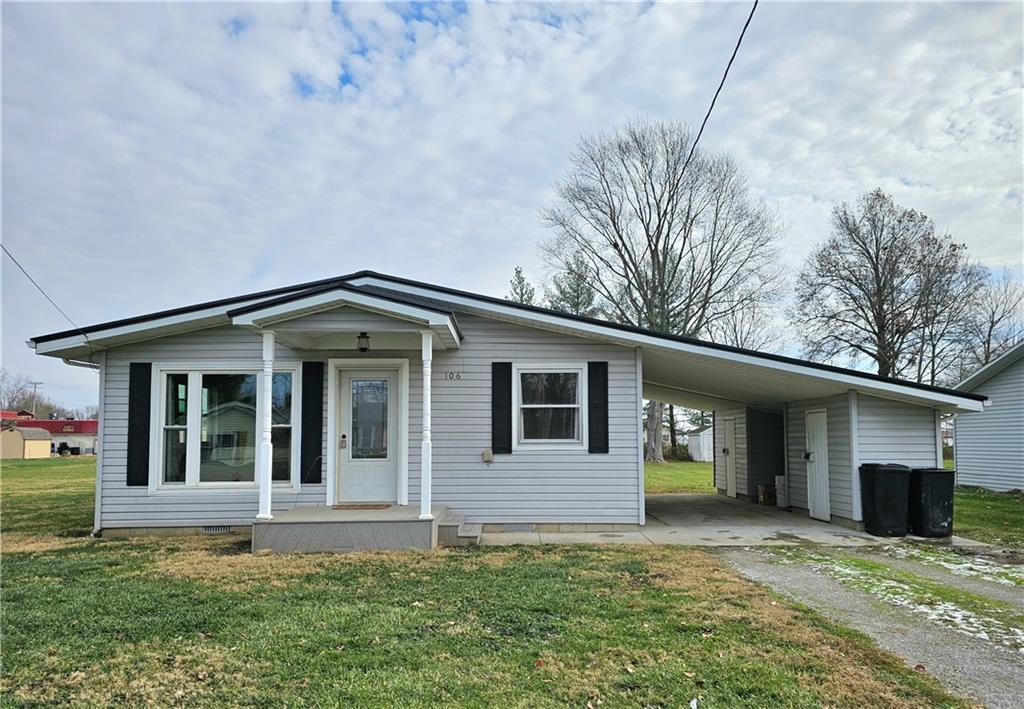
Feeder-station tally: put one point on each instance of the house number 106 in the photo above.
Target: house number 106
(451, 376)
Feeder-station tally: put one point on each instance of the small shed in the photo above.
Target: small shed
(21, 443)
(701, 444)
(989, 448)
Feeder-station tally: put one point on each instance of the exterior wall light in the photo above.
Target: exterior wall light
(363, 342)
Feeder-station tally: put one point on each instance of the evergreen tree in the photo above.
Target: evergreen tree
(572, 291)
(522, 291)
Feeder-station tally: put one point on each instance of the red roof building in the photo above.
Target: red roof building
(84, 427)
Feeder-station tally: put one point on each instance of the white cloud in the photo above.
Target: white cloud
(156, 155)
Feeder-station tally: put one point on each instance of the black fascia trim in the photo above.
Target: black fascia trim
(674, 338)
(191, 308)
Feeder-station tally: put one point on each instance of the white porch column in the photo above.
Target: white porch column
(263, 475)
(425, 449)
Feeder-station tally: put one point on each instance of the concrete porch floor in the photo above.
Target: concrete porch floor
(706, 520)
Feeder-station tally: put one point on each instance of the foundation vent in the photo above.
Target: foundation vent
(519, 526)
(216, 529)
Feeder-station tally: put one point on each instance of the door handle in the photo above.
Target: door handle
(343, 443)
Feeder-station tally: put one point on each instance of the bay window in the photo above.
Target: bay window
(550, 405)
(209, 427)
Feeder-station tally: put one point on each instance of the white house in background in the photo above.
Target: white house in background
(390, 412)
(989, 444)
(701, 443)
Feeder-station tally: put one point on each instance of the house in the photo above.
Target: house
(24, 442)
(989, 444)
(391, 413)
(22, 415)
(78, 437)
(701, 443)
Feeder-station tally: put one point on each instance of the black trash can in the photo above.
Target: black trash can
(884, 493)
(931, 502)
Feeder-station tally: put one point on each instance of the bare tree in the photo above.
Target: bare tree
(672, 247)
(752, 328)
(572, 290)
(15, 390)
(521, 291)
(874, 286)
(997, 322)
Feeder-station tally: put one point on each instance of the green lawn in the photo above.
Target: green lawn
(678, 476)
(200, 621)
(992, 517)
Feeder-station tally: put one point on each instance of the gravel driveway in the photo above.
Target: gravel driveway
(966, 655)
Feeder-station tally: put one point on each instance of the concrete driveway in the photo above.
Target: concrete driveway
(706, 520)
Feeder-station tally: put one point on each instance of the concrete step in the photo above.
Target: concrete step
(469, 534)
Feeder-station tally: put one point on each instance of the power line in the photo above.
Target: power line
(45, 295)
(693, 148)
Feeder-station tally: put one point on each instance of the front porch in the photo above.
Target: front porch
(370, 528)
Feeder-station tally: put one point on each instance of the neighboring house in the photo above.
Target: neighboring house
(989, 448)
(77, 436)
(18, 442)
(701, 443)
(433, 402)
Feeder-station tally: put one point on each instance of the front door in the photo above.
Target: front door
(730, 457)
(368, 436)
(816, 455)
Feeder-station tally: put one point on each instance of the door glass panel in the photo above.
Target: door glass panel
(369, 435)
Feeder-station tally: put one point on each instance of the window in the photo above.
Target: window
(175, 432)
(549, 402)
(227, 434)
(281, 427)
(209, 423)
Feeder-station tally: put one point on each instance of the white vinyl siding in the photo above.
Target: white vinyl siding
(346, 319)
(894, 432)
(839, 478)
(527, 486)
(990, 443)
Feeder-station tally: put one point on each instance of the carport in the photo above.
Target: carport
(813, 424)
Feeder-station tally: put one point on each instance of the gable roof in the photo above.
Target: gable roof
(445, 300)
(1005, 360)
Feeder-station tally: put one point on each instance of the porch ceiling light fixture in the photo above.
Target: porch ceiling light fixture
(363, 342)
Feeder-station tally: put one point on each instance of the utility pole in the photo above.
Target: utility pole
(35, 385)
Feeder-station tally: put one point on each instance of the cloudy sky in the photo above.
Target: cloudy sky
(155, 156)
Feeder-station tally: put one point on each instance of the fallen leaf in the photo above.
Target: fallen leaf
(538, 663)
(919, 667)
(688, 674)
(629, 669)
(202, 676)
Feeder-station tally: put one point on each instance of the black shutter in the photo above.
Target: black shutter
(501, 407)
(140, 379)
(312, 422)
(597, 406)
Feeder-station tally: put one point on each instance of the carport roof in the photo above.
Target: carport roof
(678, 369)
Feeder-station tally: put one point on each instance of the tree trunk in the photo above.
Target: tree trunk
(672, 442)
(655, 438)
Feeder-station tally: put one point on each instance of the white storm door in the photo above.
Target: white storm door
(368, 436)
(816, 455)
(730, 457)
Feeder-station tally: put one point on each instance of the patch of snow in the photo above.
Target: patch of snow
(960, 564)
(916, 600)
